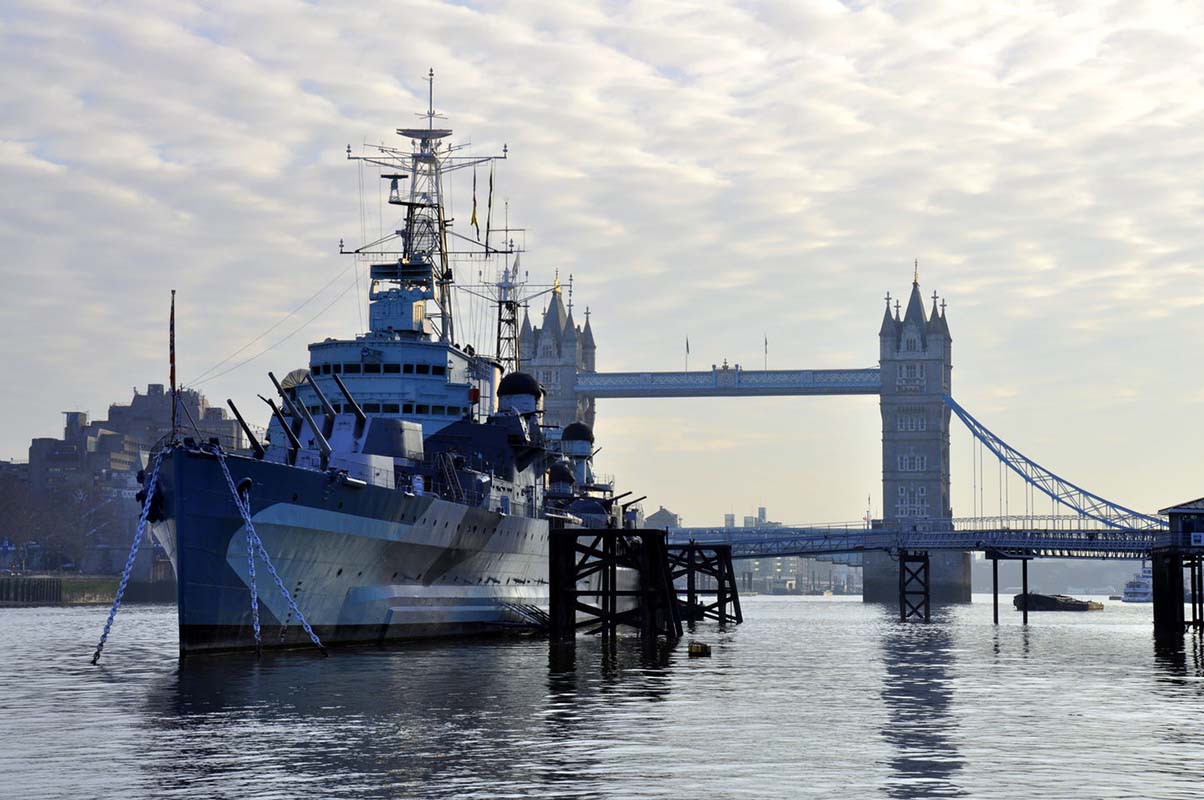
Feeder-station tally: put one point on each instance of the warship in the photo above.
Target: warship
(405, 485)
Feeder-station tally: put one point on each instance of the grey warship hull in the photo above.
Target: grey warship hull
(363, 563)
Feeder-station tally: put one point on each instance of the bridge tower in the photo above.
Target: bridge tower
(915, 359)
(556, 353)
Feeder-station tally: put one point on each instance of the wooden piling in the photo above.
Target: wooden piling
(1167, 568)
(579, 557)
(1024, 587)
(995, 588)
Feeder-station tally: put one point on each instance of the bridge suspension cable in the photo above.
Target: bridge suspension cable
(1083, 502)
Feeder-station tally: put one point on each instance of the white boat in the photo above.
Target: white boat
(1140, 588)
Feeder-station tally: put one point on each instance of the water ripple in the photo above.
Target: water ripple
(810, 698)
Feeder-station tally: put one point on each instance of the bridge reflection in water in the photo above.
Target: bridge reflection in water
(917, 691)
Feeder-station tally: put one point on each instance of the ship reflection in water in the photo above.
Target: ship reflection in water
(455, 718)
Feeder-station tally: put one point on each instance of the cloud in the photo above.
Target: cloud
(714, 171)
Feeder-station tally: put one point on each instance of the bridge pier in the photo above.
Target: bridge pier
(915, 581)
(949, 571)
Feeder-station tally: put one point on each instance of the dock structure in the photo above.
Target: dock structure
(713, 562)
(1182, 546)
(1195, 565)
(600, 579)
(1172, 548)
(18, 590)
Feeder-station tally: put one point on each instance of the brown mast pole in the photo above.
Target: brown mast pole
(171, 336)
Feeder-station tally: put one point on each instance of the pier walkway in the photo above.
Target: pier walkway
(1021, 537)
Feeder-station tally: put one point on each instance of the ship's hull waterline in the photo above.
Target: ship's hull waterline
(363, 563)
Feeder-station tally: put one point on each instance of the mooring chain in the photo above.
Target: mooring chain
(252, 536)
(254, 588)
(150, 486)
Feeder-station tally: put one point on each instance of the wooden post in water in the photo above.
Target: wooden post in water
(995, 587)
(1168, 592)
(691, 582)
(1024, 586)
(562, 582)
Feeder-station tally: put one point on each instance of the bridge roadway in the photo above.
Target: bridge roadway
(728, 381)
(1026, 537)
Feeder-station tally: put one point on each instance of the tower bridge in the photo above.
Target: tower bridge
(913, 381)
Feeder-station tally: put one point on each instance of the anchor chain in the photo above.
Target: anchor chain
(254, 589)
(253, 539)
(150, 487)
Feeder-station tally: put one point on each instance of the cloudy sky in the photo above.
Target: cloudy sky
(721, 172)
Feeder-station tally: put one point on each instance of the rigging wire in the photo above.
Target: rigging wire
(973, 480)
(363, 238)
(282, 340)
(982, 481)
(204, 376)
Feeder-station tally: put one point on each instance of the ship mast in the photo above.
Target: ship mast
(419, 274)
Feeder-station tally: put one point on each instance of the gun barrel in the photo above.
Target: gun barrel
(255, 445)
(360, 416)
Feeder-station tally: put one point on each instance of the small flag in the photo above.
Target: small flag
(766, 343)
(489, 209)
(475, 224)
(687, 345)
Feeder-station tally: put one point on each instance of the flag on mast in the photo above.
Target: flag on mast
(687, 345)
(489, 209)
(475, 224)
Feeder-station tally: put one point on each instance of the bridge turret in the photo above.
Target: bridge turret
(588, 349)
(526, 342)
(890, 330)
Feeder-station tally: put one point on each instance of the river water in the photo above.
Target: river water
(811, 697)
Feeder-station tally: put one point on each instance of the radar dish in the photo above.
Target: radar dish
(294, 378)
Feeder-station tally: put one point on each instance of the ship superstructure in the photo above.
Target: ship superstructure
(410, 364)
